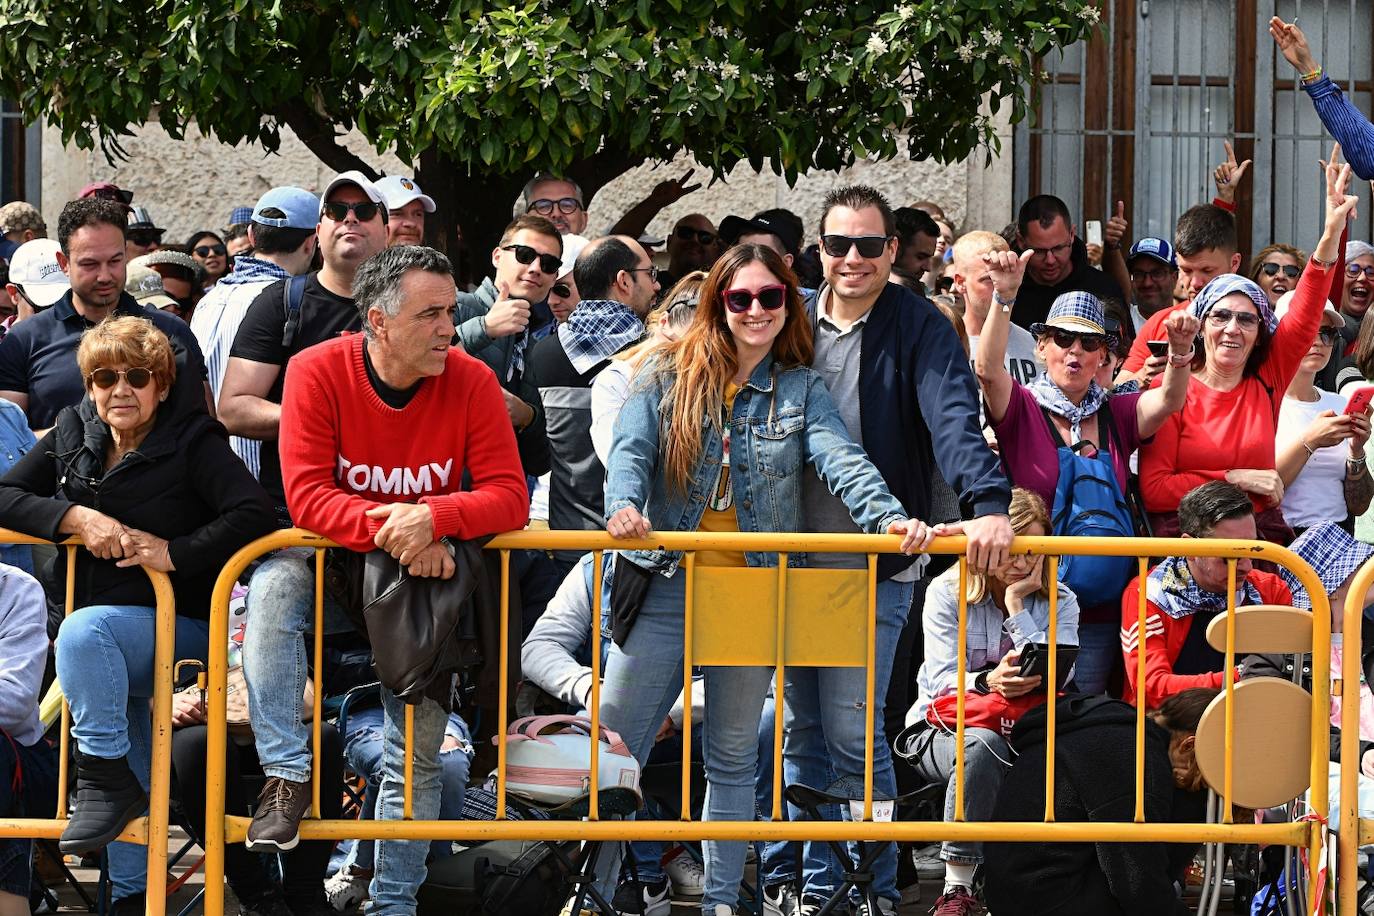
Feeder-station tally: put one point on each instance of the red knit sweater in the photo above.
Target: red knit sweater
(344, 451)
(1217, 431)
(1165, 636)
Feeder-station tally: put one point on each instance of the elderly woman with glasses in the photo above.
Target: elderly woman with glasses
(144, 477)
(1066, 422)
(1243, 363)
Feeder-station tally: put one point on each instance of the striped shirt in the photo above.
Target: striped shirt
(1346, 123)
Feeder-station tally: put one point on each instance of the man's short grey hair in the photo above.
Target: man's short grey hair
(377, 284)
(523, 204)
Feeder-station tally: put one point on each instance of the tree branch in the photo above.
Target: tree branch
(319, 137)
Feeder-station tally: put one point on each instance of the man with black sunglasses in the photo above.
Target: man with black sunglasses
(693, 245)
(291, 315)
(904, 390)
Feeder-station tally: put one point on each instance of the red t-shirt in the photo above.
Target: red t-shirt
(1218, 431)
(344, 451)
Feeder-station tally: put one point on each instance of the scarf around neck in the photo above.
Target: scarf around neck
(1171, 587)
(1048, 396)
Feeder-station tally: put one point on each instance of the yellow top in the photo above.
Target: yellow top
(720, 507)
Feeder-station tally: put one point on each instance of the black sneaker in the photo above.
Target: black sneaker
(643, 899)
(108, 796)
(276, 824)
(136, 905)
(271, 903)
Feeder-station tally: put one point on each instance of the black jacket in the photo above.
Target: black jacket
(1033, 301)
(1094, 780)
(182, 484)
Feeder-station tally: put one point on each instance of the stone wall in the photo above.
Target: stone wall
(193, 183)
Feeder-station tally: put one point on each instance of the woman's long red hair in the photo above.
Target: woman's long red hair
(705, 361)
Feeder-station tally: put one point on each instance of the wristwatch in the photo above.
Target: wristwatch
(980, 682)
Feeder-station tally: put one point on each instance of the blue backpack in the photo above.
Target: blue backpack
(1088, 502)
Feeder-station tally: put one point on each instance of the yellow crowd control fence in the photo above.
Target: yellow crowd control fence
(780, 617)
(1354, 831)
(150, 830)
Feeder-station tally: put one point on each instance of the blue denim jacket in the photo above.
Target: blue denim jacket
(15, 441)
(783, 419)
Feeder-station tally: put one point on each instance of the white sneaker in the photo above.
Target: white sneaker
(346, 890)
(928, 862)
(723, 909)
(686, 875)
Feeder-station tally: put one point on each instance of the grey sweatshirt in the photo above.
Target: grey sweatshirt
(23, 653)
(548, 656)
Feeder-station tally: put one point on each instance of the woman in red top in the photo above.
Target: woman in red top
(1241, 368)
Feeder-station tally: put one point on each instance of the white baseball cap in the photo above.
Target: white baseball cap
(400, 191)
(34, 268)
(572, 247)
(354, 177)
(1286, 301)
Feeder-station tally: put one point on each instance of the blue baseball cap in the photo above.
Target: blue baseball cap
(302, 209)
(1151, 247)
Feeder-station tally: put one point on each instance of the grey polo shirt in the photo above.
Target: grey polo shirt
(837, 361)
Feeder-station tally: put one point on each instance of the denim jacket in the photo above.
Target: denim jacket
(783, 419)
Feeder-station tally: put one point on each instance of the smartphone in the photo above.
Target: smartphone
(1359, 400)
(1035, 661)
(1094, 230)
(1158, 347)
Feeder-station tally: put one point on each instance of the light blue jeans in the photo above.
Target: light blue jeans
(105, 667)
(986, 760)
(824, 710)
(281, 609)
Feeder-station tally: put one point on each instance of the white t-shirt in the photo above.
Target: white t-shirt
(1318, 494)
(1022, 362)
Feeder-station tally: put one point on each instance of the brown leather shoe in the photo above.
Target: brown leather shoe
(276, 824)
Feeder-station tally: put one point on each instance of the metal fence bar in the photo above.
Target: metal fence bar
(779, 676)
(1051, 688)
(1140, 694)
(961, 674)
(595, 701)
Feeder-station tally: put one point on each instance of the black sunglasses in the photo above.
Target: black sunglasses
(687, 233)
(548, 263)
(1091, 342)
(870, 246)
(1291, 271)
(205, 251)
(561, 290)
(107, 378)
(1329, 336)
(145, 237)
(771, 297)
(338, 211)
(565, 205)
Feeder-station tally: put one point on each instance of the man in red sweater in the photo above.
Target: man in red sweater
(1184, 594)
(378, 432)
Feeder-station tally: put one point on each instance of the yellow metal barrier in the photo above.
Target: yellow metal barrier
(791, 592)
(150, 830)
(1353, 830)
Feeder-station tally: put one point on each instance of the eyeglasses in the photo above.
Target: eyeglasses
(771, 297)
(651, 271)
(1059, 251)
(107, 378)
(1220, 318)
(870, 246)
(1091, 342)
(565, 205)
(687, 233)
(144, 237)
(561, 290)
(1354, 270)
(205, 251)
(1291, 271)
(1329, 336)
(338, 211)
(548, 263)
(690, 304)
(1160, 275)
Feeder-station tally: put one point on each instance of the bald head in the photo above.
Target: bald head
(616, 267)
(971, 278)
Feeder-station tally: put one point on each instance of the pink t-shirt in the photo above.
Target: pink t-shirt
(1030, 452)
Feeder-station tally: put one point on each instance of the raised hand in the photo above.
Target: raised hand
(1292, 43)
(507, 316)
(1115, 231)
(1182, 329)
(671, 191)
(1007, 269)
(1229, 173)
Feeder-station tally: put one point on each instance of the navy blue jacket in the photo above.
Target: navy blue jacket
(918, 409)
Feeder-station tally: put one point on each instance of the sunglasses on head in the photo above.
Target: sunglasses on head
(107, 378)
(1091, 342)
(1220, 318)
(548, 263)
(687, 233)
(145, 237)
(1329, 336)
(1354, 270)
(338, 211)
(772, 297)
(565, 205)
(205, 251)
(870, 246)
(1291, 271)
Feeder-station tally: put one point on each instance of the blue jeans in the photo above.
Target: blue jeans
(778, 861)
(986, 757)
(280, 609)
(826, 722)
(1099, 651)
(105, 667)
(363, 747)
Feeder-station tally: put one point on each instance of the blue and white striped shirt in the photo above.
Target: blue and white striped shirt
(1346, 123)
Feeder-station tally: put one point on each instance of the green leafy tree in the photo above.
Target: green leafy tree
(480, 95)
